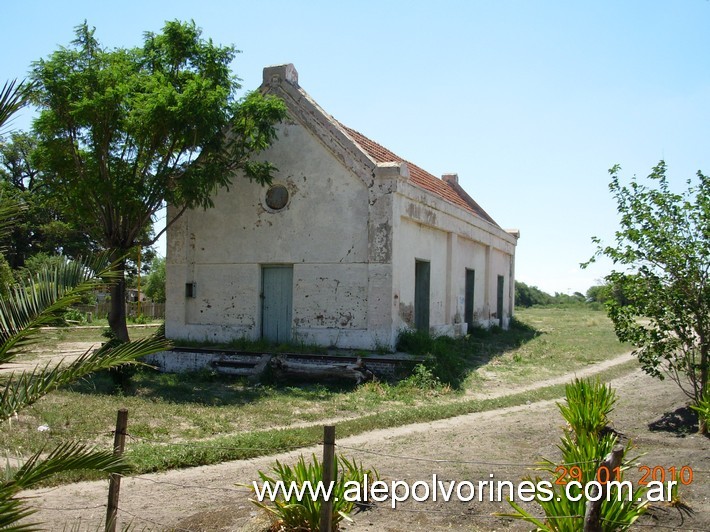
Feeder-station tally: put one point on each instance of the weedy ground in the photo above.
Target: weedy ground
(166, 411)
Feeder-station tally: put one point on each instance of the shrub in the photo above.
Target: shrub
(415, 342)
(73, 315)
(588, 404)
(583, 449)
(423, 378)
(703, 407)
(292, 514)
(444, 355)
(140, 320)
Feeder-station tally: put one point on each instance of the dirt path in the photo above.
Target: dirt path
(472, 447)
(64, 352)
(499, 389)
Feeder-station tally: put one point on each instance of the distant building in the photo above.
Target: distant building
(349, 245)
(132, 295)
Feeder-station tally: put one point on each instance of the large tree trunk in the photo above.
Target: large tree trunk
(117, 321)
(117, 312)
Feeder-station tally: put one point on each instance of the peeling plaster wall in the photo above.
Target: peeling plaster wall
(352, 230)
(322, 231)
(428, 228)
(472, 256)
(420, 242)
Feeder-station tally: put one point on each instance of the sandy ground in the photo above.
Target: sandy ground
(505, 443)
(65, 352)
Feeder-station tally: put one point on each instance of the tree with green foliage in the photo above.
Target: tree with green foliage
(663, 246)
(24, 307)
(125, 131)
(13, 97)
(155, 282)
(600, 293)
(528, 296)
(608, 292)
(41, 227)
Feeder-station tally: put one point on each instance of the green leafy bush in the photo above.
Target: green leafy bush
(73, 315)
(444, 356)
(292, 514)
(140, 320)
(423, 378)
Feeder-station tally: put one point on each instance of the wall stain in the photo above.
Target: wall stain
(406, 312)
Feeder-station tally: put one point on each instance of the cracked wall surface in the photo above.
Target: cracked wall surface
(351, 230)
(322, 232)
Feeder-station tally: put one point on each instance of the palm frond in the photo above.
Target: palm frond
(13, 97)
(9, 210)
(68, 456)
(25, 388)
(42, 299)
(12, 511)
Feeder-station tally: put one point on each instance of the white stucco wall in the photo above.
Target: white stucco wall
(352, 231)
(452, 240)
(322, 232)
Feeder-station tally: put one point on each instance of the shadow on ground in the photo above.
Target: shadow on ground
(206, 387)
(681, 422)
(451, 360)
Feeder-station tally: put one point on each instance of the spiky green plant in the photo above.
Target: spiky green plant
(703, 407)
(293, 514)
(28, 306)
(583, 449)
(588, 405)
(14, 96)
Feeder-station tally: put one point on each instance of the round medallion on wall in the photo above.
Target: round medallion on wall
(276, 197)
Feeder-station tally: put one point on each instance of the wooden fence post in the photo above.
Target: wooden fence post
(119, 442)
(593, 511)
(326, 508)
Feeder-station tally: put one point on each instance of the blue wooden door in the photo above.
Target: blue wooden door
(277, 303)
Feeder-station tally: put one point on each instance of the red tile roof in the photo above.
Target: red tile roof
(451, 192)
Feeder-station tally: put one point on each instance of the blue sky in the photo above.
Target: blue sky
(529, 102)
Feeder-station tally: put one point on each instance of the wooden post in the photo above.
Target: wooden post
(326, 508)
(593, 511)
(119, 442)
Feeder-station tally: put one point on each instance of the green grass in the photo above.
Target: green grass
(199, 418)
(254, 346)
(541, 343)
(566, 339)
(50, 337)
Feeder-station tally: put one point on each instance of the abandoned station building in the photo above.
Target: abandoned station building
(350, 245)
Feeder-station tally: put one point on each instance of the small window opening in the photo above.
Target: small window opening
(277, 197)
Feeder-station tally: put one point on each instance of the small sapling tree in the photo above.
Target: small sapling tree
(663, 248)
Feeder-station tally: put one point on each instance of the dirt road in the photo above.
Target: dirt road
(504, 443)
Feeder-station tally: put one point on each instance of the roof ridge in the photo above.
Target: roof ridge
(450, 192)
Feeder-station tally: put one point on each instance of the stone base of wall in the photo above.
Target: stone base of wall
(180, 360)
